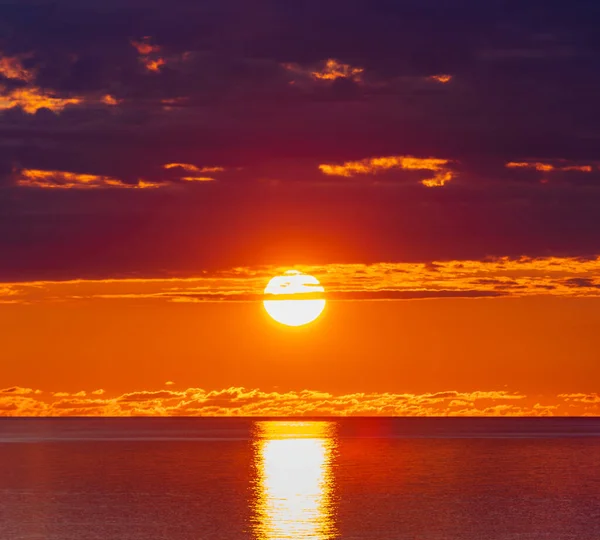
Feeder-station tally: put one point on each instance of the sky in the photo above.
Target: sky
(435, 165)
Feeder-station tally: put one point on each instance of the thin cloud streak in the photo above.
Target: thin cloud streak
(548, 167)
(53, 179)
(192, 168)
(36, 178)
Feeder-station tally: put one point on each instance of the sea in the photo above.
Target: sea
(267, 479)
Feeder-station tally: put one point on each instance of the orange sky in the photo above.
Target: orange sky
(83, 347)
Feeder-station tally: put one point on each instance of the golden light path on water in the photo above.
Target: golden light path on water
(293, 496)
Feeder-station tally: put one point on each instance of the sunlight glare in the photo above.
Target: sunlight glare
(293, 498)
(290, 311)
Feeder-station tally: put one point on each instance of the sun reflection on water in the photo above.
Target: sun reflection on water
(293, 496)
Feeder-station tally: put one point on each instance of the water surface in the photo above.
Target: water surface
(204, 479)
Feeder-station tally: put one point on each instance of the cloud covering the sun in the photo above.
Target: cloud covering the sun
(239, 401)
(563, 277)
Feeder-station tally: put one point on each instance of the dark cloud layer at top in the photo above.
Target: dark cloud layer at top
(231, 84)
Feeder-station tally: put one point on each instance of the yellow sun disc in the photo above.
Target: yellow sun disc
(289, 310)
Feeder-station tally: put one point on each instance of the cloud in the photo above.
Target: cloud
(582, 282)
(33, 99)
(593, 398)
(53, 179)
(443, 78)
(29, 97)
(548, 167)
(333, 70)
(335, 295)
(33, 178)
(189, 168)
(380, 164)
(81, 393)
(154, 65)
(197, 179)
(144, 47)
(18, 391)
(239, 401)
(555, 276)
(12, 68)
(328, 70)
(193, 168)
(149, 57)
(107, 99)
(152, 56)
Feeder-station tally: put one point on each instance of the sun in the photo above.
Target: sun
(288, 309)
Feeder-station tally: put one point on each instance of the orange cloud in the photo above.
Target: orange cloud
(192, 168)
(148, 54)
(144, 47)
(333, 70)
(46, 179)
(29, 98)
(184, 166)
(197, 179)
(154, 65)
(110, 100)
(580, 168)
(547, 167)
(587, 399)
(19, 391)
(379, 164)
(239, 401)
(442, 78)
(329, 70)
(33, 99)
(12, 68)
(438, 180)
(188, 167)
(145, 184)
(170, 102)
(68, 180)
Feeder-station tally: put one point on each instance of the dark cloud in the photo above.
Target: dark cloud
(338, 295)
(233, 86)
(582, 283)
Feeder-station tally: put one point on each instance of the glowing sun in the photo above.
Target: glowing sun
(288, 309)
